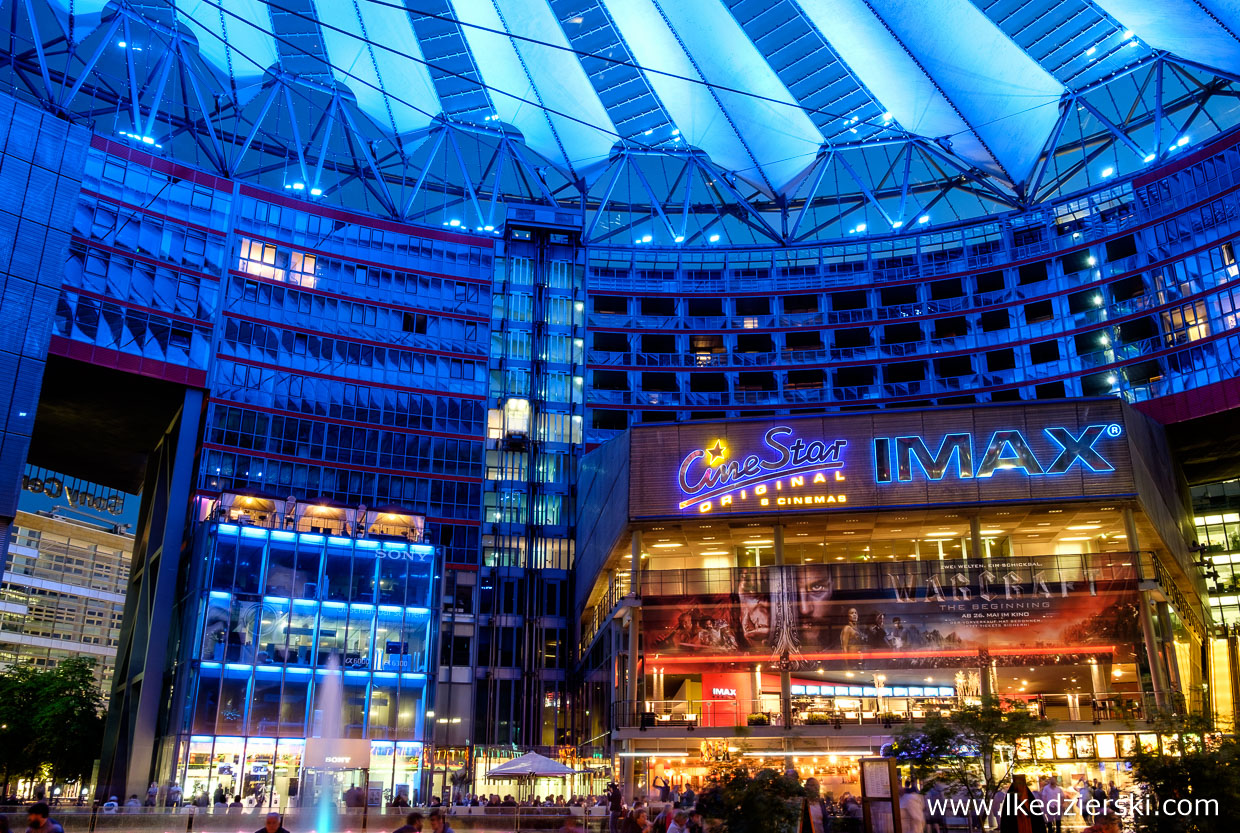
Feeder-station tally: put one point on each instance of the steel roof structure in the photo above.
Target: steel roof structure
(663, 122)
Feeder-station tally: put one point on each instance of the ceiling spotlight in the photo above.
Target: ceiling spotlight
(924, 218)
(1181, 142)
(714, 238)
(1107, 171)
(1150, 157)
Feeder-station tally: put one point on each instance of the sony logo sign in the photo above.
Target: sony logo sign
(54, 488)
(896, 457)
(337, 759)
(723, 692)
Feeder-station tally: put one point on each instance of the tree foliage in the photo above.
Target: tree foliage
(767, 802)
(1202, 766)
(51, 721)
(961, 747)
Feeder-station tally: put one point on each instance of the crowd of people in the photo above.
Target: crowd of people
(1016, 807)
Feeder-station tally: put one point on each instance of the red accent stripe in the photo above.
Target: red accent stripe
(1213, 398)
(1182, 162)
(107, 357)
(962, 652)
(158, 163)
(466, 568)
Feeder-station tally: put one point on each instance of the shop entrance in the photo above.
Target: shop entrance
(341, 789)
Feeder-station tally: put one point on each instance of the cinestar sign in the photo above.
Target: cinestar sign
(712, 472)
(896, 459)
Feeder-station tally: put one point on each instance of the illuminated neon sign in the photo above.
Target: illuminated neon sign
(895, 458)
(707, 473)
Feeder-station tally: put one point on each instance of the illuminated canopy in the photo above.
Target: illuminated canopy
(798, 119)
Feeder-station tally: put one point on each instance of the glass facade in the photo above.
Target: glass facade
(353, 367)
(63, 593)
(1127, 291)
(279, 614)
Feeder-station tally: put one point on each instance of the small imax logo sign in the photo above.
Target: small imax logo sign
(723, 692)
(898, 459)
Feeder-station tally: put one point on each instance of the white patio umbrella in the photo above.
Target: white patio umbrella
(525, 768)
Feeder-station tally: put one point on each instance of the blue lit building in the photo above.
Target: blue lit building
(382, 276)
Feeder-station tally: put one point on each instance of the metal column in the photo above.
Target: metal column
(1158, 670)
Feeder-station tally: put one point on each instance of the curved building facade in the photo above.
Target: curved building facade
(325, 387)
(1126, 291)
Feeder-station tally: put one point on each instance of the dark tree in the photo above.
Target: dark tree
(1201, 778)
(767, 802)
(962, 746)
(51, 721)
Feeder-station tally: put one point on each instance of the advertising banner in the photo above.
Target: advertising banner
(946, 456)
(910, 614)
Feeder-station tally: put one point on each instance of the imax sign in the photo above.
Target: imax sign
(896, 459)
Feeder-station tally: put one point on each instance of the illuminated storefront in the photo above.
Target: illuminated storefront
(297, 602)
(809, 585)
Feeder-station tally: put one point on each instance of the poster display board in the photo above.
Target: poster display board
(911, 614)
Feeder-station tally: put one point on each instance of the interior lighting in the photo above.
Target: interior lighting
(299, 186)
(715, 552)
(1083, 527)
(1127, 34)
(680, 238)
(121, 44)
(1104, 341)
(1097, 300)
(1111, 380)
(668, 546)
(488, 228)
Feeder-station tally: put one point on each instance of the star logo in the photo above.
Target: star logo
(717, 452)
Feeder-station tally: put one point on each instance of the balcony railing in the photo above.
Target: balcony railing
(864, 711)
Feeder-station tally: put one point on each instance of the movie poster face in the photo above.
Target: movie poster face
(906, 613)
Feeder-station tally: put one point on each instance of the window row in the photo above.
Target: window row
(231, 471)
(122, 278)
(344, 400)
(332, 443)
(319, 312)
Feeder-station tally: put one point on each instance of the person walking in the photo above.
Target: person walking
(272, 824)
(1015, 814)
(1054, 801)
(413, 824)
(912, 810)
(439, 822)
(38, 821)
